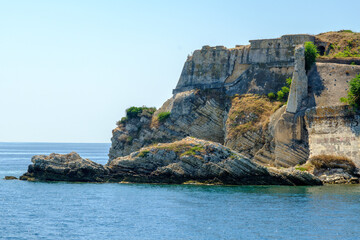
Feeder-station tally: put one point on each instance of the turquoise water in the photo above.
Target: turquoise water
(118, 211)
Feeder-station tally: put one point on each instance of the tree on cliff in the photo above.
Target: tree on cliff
(311, 52)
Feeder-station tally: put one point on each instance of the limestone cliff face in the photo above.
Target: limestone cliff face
(248, 127)
(192, 113)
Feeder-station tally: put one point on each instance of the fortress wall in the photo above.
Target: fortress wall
(328, 82)
(335, 131)
(252, 65)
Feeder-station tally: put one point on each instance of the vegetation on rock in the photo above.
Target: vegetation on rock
(311, 52)
(353, 98)
(343, 44)
(194, 150)
(249, 112)
(271, 95)
(163, 116)
(134, 112)
(282, 94)
(144, 153)
(332, 161)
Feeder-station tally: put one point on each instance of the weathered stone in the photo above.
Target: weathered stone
(328, 82)
(186, 160)
(260, 67)
(299, 84)
(192, 113)
(10, 178)
(334, 130)
(65, 167)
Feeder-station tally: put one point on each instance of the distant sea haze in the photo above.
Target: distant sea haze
(58, 210)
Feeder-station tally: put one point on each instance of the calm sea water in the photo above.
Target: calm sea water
(117, 211)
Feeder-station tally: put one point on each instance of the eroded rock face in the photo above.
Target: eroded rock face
(192, 113)
(178, 162)
(65, 167)
(247, 127)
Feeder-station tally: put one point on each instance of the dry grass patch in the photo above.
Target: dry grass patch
(332, 161)
(182, 148)
(249, 112)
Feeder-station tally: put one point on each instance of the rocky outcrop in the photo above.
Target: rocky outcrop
(10, 178)
(65, 167)
(187, 160)
(247, 127)
(192, 113)
(332, 169)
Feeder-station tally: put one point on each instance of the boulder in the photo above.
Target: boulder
(64, 167)
(10, 178)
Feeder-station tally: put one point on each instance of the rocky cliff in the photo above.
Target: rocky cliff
(220, 126)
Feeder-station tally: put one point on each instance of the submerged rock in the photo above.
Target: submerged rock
(189, 159)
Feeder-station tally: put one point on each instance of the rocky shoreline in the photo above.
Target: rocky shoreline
(188, 160)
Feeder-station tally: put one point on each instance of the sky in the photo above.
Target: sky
(69, 69)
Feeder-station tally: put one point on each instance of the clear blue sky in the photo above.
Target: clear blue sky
(69, 69)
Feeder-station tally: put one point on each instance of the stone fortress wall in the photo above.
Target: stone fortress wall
(260, 67)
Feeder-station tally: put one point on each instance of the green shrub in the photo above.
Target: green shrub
(285, 90)
(353, 98)
(288, 81)
(311, 52)
(280, 95)
(271, 95)
(144, 153)
(163, 116)
(348, 31)
(347, 53)
(192, 151)
(352, 63)
(134, 112)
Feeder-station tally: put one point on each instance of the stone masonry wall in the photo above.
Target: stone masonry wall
(260, 67)
(335, 131)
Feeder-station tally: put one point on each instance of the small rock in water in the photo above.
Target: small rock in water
(10, 178)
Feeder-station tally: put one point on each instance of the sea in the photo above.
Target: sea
(60, 210)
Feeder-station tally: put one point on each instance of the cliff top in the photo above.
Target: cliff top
(340, 44)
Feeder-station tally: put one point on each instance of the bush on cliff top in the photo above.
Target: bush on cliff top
(353, 98)
(311, 52)
(134, 112)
